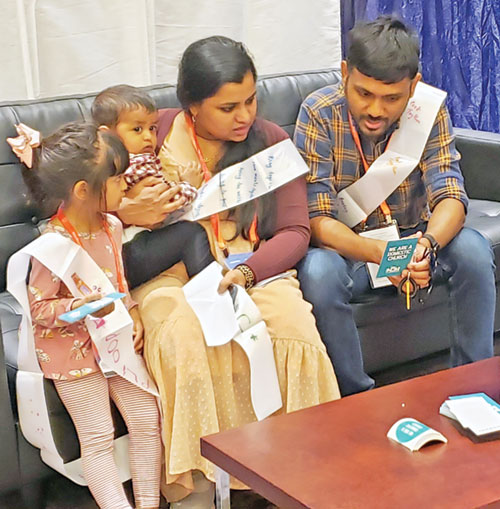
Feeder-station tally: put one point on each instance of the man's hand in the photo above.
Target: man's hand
(138, 330)
(419, 266)
(232, 277)
(149, 202)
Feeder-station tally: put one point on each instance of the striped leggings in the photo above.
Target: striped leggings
(87, 401)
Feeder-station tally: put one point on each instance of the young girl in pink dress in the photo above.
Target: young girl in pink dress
(80, 170)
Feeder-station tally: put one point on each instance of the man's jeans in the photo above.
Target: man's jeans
(329, 282)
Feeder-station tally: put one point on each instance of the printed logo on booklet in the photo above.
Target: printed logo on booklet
(413, 434)
(397, 256)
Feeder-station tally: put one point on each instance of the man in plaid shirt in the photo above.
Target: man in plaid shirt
(379, 77)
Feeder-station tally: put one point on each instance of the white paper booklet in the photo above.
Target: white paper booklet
(474, 413)
(413, 434)
(387, 233)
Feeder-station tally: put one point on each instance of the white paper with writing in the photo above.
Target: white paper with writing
(260, 174)
(112, 335)
(63, 257)
(403, 153)
(223, 320)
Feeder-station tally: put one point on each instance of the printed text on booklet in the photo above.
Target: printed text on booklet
(397, 256)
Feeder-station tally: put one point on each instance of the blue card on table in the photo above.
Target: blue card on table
(396, 257)
(91, 307)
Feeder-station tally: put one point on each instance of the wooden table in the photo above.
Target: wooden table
(338, 455)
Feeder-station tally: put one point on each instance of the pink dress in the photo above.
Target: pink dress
(64, 350)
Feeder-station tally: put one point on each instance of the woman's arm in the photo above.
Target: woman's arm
(292, 233)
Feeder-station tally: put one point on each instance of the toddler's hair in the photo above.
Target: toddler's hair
(113, 101)
(76, 151)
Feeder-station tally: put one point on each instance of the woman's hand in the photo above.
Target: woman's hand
(149, 202)
(138, 329)
(232, 277)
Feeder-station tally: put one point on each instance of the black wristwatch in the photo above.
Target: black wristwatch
(433, 242)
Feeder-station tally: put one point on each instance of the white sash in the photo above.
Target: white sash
(223, 321)
(112, 336)
(260, 174)
(403, 153)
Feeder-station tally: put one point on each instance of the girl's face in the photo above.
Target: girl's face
(114, 192)
(229, 114)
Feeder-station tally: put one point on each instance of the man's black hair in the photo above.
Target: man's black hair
(385, 49)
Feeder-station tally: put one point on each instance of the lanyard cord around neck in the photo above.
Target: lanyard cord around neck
(214, 218)
(76, 239)
(355, 136)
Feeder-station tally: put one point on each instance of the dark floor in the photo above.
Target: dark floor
(60, 493)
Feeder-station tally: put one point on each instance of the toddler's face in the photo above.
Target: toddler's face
(137, 130)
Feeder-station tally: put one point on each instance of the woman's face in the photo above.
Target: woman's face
(229, 114)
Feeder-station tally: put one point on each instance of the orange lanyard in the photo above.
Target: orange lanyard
(355, 136)
(76, 239)
(214, 218)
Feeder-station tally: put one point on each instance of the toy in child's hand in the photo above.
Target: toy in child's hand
(90, 308)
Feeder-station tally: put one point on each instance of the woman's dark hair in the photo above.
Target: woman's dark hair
(76, 151)
(205, 67)
(385, 49)
(113, 101)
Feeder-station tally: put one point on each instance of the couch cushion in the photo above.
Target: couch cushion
(280, 96)
(484, 216)
(480, 159)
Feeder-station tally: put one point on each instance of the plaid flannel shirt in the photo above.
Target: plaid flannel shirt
(323, 137)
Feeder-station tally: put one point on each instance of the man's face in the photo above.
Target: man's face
(373, 104)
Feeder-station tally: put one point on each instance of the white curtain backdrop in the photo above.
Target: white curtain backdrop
(60, 47)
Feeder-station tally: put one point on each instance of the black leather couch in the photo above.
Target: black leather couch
(390, 335)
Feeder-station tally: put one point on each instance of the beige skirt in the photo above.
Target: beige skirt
(207, 389)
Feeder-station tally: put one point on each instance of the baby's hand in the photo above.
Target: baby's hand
(191, 173)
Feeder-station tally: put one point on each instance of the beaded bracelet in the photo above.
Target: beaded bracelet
(249, 275)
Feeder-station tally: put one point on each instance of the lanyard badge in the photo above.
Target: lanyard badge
(355, 136)
(61, 216)
(214, 218)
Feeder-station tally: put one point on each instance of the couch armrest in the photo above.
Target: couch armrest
(9, 466)
(480, 163)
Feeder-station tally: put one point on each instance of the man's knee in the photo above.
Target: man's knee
(323, 273)
(469, 252)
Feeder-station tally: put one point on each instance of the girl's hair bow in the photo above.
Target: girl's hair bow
(24, 144)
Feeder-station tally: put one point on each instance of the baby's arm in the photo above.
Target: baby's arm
(46, 303)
